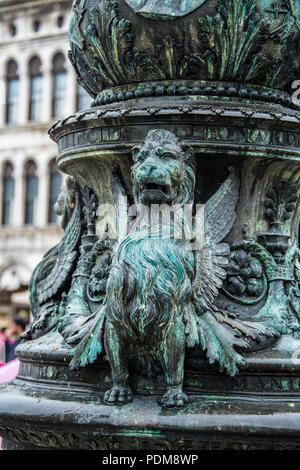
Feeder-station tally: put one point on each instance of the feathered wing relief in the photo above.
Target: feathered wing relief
(89, 341)
(220, 334)
(52, 276)
(210, 264)
(67, 254)
(212, 258)
(61, 283)
(219, 210)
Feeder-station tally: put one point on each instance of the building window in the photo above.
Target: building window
(13, 91)
(36, 89)
(8, 185)
(31, 184)
(60, 21)
(83, 99)
(54, 190)
(59, 86)
(12, 29)
(36, 26)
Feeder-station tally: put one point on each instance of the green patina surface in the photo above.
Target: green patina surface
(164, 9)
(166, 316)
(245, 41)
(99, 315)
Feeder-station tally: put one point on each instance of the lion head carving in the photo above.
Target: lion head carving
(163, 170)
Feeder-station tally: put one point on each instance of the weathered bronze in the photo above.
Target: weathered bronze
(175, 291)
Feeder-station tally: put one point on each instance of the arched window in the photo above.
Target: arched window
(54, 189)
(60, 21)
(36, 89)
(36, 25)
(31, 188)
(8, 185)
(59, 85)
(12, 29)
(12, 94)
(83, 98)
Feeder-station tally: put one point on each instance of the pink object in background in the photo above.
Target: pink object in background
(7, 373)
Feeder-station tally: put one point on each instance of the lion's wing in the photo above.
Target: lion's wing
(220, 333)
(54, 283)
(212, 259)
(219, 211)
(210, 264)
(88, 343)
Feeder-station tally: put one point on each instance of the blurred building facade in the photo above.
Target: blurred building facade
(37, 87)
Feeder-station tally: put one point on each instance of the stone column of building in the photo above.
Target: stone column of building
(71, 88)
(24, 89)
(2, 92)
(18, 204)
(47, 85)
(41, 215)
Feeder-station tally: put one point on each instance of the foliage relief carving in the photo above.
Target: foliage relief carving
(238, 44)
(120, 304)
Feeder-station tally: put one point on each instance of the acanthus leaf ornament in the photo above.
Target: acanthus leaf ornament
(245, 43)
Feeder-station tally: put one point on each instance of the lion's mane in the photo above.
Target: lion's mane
(150, 281)
(185, 192)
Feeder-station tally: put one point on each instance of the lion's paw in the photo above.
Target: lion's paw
(174, 398)
(118, 395)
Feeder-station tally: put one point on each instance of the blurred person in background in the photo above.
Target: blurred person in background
(3, 340)
(12, 337)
